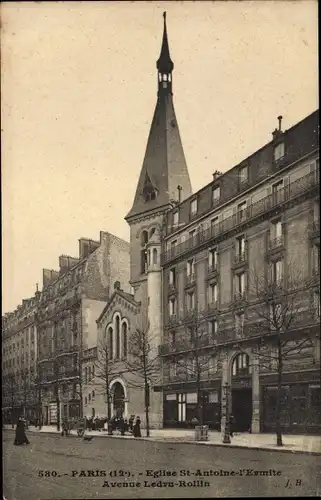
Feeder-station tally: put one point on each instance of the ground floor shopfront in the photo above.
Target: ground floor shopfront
(253, 410)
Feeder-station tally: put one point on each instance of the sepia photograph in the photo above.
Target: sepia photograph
(160, 249)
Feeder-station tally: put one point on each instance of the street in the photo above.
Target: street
(55, 467)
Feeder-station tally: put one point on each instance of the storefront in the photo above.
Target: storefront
(300, 405)
(180, 407)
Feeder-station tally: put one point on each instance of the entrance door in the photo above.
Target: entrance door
(119, 397)
(242, 409)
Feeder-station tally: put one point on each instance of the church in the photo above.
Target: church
(163, 182)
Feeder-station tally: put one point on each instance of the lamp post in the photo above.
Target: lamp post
(226, 439)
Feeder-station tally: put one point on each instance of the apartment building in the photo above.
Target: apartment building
(19, 361)
(251, 233)
(71, 301)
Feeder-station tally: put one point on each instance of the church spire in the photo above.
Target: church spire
(165, 65)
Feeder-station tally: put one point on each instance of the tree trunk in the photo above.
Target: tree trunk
(278, 400)
(147, 407)
(199, 402)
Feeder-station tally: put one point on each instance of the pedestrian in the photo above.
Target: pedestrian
(131, 422)
(231, 425)
(126, 427)
(20, 437)
(136, 428)
(122, 426)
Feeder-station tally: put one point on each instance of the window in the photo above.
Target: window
(212, 258)
(212, 365)
(143, 252)
(241, 211)
(212, 293)
(110, 342)
(86, 375)
(277, 272)
(241, 365)
(173, 369)
(276, 316)
(216, 194)
(277, 192)
(154, 256)
(243, 175)
(93, 395)
(117, 328)
(172, 277)
(93, 371)
(194, 207)
(172, 338)
(175, 218)
(86, 400)
(240, 246)
(124, 335)
(190, 301)
(192, 233)
(239, 323)
(181, 407)
(213, 327)
(278, 151)
(172, 306)
(276, 232)
(89, 397)
(240, 284)
(173, 245)
(190, 267)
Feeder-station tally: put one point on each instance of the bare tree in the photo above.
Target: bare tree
(278, 308)
(198, 359)
(9, 394)
(143, 362)
(104, 372)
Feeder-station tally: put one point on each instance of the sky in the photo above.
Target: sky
(79, 84)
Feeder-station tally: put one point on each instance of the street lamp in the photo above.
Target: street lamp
(226, 390)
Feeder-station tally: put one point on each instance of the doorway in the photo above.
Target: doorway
(242, 409)
(118, 399)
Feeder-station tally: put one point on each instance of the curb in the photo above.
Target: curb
(204, 443)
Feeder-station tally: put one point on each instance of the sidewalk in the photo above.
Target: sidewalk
(291, 443)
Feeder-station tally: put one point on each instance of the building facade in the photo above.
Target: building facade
(163, 180)
(19, 361)
(232, 263)
(71, 300)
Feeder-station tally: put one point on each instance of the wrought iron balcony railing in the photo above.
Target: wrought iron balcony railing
(240, 257)
(277, 242)
(296, 188)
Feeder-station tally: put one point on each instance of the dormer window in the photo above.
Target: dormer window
(216, 194)
(243, 175)
(194, 207)
(279, 151)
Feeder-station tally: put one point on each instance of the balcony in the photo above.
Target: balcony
(190, 279)
(212, 306)
(276, 243)
(186, 345)
(212, 270)
(172, 288)
(300, 187)
(69, 374)
(65, 351)
(240, 259)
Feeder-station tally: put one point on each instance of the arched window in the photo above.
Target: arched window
(241, 365)
(154, 256)
(151, 232)
(124, 335)
(143, 252)
(117, 337)
(110, 342)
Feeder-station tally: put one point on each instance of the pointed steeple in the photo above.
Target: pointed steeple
(164, 63)
(164, 167)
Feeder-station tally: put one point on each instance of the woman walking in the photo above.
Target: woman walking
(20, 437)
(136, 428)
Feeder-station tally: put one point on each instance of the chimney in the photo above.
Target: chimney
(278, 131)
(179, 189)
(117, 285)
(216, 175)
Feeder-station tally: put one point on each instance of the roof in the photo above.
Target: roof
(127, 296)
